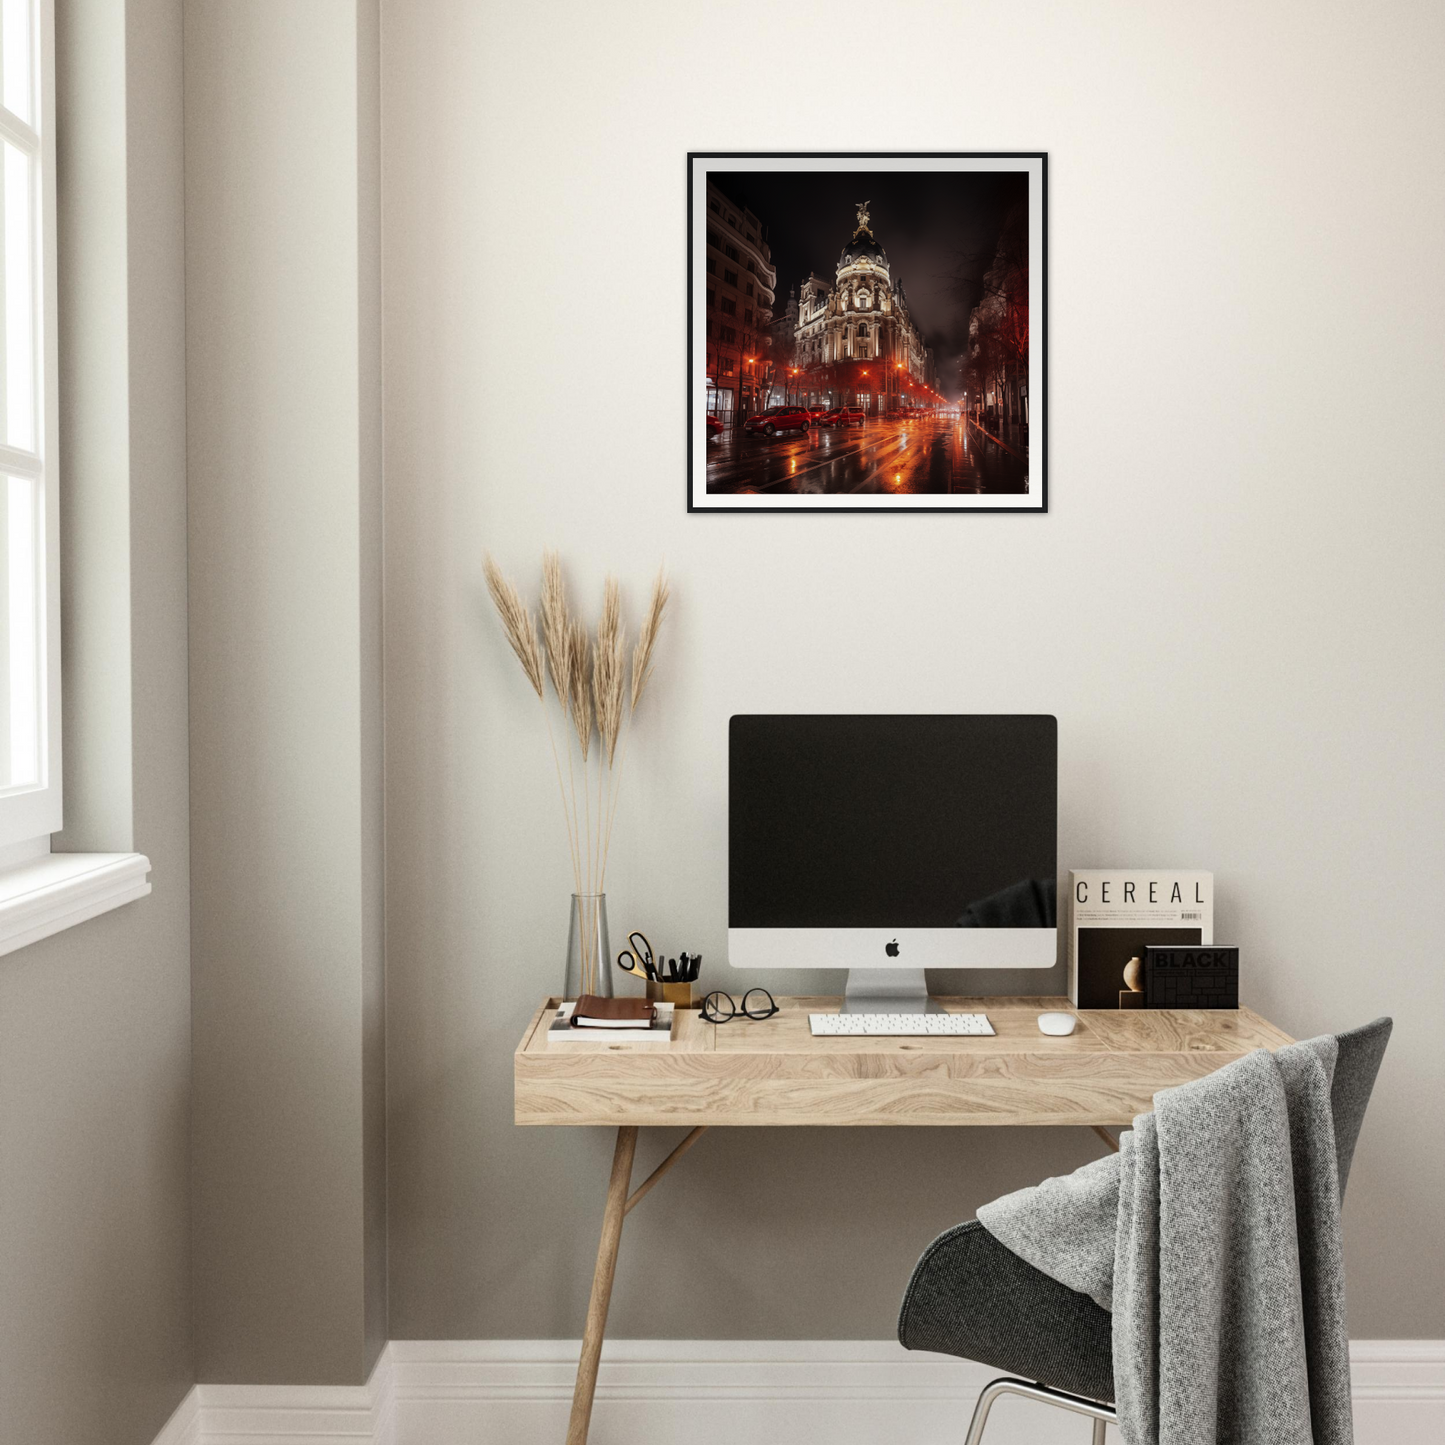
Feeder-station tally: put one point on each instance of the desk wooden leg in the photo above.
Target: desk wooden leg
(612, 1216)
(641, 1192)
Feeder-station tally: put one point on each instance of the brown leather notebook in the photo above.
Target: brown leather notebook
(593, 1012)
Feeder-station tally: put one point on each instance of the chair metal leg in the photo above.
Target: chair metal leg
(980, 1411)
(1099, 1413)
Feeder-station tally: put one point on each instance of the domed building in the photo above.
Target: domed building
(855, 339)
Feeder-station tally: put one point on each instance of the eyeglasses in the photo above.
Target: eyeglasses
(719, 1008)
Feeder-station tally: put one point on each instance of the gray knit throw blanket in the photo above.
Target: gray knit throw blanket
(1214, 1237)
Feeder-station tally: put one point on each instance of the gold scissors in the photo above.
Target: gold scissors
(637, 958)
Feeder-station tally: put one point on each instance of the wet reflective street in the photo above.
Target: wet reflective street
(931, 454)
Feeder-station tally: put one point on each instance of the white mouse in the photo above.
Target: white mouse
(1058, 1024)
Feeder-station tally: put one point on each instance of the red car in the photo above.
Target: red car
(842, 416)
(779, 418)
(714, 427)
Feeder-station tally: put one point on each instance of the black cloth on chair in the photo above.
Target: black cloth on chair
(973, 1297)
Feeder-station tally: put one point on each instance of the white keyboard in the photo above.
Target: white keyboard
(912, 1026)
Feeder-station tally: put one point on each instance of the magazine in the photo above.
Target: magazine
(1114, 913)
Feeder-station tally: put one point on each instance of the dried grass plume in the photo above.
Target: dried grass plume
(517, 623)
(609, 669)
(579, 685)
(556, 633)
(647, 637)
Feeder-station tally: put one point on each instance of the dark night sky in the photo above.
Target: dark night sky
(932, 226)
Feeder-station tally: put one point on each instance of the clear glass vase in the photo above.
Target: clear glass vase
(589, 952)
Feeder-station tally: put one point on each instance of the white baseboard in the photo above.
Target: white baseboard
(288, 1414)
(184, 1427)
(713, 1392)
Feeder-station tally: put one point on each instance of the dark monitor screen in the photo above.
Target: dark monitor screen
(913, 821)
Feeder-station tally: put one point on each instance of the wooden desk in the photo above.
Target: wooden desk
(774, 1072)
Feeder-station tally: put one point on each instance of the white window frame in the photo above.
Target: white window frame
(42, 892)
(30, 814)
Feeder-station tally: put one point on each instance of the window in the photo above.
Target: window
(29, 546)
(729, 306)
(748, 316)
(730, 277)
(711, 297)
(713, 239)
(730, 251)
(750, 288)
(712, 265)
(728, 333)
(714, 207)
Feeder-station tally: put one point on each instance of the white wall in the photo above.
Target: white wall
(1234, 605)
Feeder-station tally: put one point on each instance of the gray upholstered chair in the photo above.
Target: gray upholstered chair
(972, 1297)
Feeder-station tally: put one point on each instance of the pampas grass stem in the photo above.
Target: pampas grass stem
(641, 672)
(517, 622)
(590, 683)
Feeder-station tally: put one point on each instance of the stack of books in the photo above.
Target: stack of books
(612, 1031)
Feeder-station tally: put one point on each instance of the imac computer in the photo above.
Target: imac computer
(890, 844)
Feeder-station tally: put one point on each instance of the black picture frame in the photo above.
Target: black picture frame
(1035, 501)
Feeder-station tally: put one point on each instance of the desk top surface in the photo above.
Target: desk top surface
(775, 1072)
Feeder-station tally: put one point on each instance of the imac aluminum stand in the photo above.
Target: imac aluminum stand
(887, 991)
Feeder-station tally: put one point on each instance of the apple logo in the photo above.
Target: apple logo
(891, 949)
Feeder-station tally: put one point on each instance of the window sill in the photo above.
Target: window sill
(59, 890)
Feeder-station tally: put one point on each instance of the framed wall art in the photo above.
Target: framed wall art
(867, 332)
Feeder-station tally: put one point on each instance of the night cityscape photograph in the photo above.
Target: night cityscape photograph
(864, 337)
